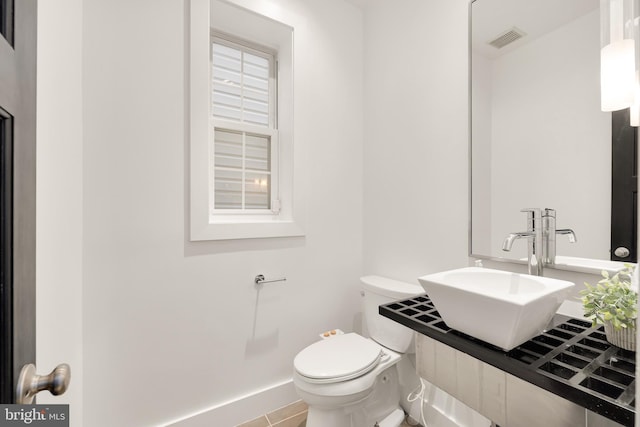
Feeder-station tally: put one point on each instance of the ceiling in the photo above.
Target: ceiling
(491, 18)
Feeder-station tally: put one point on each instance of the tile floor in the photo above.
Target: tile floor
(292, 415)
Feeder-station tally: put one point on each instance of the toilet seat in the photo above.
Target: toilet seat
(340, 358)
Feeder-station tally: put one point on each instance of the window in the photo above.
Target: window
(245, 139)
(246, 179)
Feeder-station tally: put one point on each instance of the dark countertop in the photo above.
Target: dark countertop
(571, 358)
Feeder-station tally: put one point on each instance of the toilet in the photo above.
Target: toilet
(348, 380)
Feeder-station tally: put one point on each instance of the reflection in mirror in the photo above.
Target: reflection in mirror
(538, 136)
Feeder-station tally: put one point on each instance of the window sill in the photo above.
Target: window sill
(248, 229)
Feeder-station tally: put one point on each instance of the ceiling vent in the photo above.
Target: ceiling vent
(507, 37)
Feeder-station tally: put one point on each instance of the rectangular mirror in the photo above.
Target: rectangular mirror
(538, 136)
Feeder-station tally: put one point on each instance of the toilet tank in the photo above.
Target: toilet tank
(381, 290)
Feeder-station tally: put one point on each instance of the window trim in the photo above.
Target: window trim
(249, 25)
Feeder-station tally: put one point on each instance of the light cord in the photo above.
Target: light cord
(418, 393)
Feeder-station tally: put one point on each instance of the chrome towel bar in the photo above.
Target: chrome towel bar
(259, 280)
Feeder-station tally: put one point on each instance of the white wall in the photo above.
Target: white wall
(173, 327)
(59, 198)
(481, 152)
(416, 145)
(416, 149)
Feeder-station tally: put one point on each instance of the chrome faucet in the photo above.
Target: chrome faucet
(534, 239)
(549, 236)
(541, 235)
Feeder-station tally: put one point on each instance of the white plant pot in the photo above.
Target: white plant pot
(623, 338)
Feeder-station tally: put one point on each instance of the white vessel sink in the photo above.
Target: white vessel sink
(502, 308)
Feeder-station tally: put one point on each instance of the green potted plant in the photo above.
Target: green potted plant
(613, 302)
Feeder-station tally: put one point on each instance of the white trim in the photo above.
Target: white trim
(239, 43)
(244, 408)
(199, 114)
(242, 127)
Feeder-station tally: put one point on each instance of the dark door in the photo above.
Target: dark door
(17, 190)
(624, 188)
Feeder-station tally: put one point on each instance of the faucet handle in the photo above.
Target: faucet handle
(531, 212)
(549, 213)
(533, 217)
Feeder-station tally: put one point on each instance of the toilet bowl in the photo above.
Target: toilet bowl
(352, 381)
(340, 370)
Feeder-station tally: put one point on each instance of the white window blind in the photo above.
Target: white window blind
(240, 85)
(242, 170)
(244, 134)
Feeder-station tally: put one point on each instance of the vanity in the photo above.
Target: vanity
(567, 376)
(537, 132)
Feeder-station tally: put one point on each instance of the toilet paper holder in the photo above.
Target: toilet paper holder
(260, 280)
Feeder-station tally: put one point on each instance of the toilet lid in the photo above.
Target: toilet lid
(339, 358)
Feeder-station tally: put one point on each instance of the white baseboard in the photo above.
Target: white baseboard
(241, 409)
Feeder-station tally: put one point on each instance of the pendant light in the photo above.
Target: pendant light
(618, 80)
